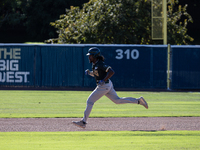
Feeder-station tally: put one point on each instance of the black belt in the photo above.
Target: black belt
(105, 81)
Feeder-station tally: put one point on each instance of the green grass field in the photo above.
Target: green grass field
(72, 104)
(107, 140)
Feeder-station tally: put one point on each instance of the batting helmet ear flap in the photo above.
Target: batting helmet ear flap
(94, 51)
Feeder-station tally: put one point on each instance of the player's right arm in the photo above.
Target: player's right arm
(88, 72)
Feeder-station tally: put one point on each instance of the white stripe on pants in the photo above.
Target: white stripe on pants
(107, 90)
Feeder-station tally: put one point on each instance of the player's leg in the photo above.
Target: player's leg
(112, 95)
(94, 96)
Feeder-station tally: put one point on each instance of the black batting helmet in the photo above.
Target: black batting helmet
(94, 51)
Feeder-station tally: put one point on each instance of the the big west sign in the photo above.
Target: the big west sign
(9, 66)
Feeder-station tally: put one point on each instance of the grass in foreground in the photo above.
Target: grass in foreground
(120, 140)
(72, 104)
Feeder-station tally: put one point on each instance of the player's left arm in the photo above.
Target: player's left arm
(110, 73)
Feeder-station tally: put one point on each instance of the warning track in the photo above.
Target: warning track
(99, 124)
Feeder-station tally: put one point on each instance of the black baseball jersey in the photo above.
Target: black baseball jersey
(100, 70)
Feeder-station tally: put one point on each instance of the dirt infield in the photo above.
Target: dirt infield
(99, 124)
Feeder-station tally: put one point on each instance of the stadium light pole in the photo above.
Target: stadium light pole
(165, 22)
(165, 42)
(159, 20)
(159, 29)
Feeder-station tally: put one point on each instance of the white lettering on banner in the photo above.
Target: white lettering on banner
(10, 76)
(9, 69)
(14, 77)
(7, 65)
(2, 65)
(20, 75)
(2, 76)
(134, 54)
(13, 53)
(14, 66)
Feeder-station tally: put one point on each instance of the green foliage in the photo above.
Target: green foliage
(118, 22)
(11, 13)
(41, 12)
(33, 16)
(178, 19)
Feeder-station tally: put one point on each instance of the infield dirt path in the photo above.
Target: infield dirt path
(99, 124)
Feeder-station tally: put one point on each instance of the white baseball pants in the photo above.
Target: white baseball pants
(107, 90)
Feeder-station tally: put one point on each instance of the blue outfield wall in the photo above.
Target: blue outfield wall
(185, 67)
(17, 65)
(59, 66)
(136, 66)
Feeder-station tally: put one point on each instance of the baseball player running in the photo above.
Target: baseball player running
(102, 74)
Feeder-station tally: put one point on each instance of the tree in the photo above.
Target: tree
(41, 12)
(22, 20)
(118, 22)
(12, 13)
(178, 19)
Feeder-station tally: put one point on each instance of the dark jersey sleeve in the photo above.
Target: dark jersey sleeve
(100, 70)
(104, 67)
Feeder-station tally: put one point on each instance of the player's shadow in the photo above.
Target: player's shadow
(148, 130)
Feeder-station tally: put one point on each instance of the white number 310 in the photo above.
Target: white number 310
(134, 54)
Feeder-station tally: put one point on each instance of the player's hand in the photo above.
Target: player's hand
(87, 72)
(102, 82)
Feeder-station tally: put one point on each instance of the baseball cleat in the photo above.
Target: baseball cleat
(80, 124)
(143, 102)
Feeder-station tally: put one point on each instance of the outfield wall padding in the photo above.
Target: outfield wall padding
(185, 67)
(63, 65)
